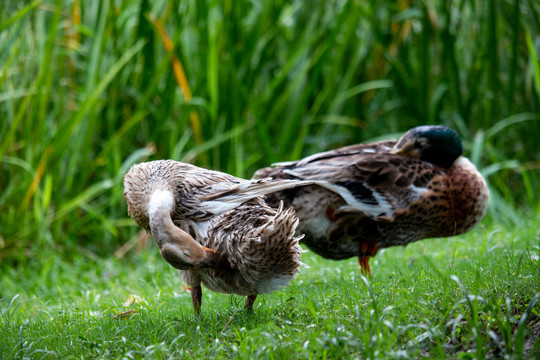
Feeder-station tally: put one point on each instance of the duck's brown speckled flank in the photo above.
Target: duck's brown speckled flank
(384, 194)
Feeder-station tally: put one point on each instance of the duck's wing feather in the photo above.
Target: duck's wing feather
(217, 198)
(374, 184)
(342, 155)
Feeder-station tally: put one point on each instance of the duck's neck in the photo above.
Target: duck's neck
(176, 246)
(159, 213)
(160, 200)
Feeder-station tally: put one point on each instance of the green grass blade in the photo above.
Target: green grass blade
(19, 15)
(535, 62)
(61, 138)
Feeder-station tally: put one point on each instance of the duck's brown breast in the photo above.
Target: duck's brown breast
(470, 195)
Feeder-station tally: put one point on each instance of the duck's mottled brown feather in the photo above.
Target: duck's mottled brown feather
(399, 199)
(226, 214)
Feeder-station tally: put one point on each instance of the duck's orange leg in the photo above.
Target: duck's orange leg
(196, 297)
(367, 250)
(250, 301)
(364, 265)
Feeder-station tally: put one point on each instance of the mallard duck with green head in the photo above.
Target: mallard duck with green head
(383, 194)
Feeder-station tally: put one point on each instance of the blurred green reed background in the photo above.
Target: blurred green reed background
(87, 88)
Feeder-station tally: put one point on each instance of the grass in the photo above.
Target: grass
(472, 296)
(87, 88)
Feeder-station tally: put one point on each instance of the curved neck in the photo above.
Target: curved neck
(176, 246)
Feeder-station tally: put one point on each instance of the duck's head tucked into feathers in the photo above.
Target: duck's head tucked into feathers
(435, 144)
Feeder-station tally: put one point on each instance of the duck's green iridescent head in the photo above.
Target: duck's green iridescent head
(436, 144)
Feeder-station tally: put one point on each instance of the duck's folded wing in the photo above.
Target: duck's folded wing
(218, 198)
(342, 155)
(376, 185)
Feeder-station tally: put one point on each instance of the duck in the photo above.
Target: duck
(383, 194)
(216, 229)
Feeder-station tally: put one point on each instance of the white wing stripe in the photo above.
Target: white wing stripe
(383, 207)
(249, 191)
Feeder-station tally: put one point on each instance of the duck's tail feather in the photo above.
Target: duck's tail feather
(270, 255)
(230, 199)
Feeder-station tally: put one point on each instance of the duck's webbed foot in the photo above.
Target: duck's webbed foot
(366, 250)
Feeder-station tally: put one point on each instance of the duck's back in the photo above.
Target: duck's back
(400, 199)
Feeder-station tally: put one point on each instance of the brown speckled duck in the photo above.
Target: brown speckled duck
(216, 229)
(384, 194)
